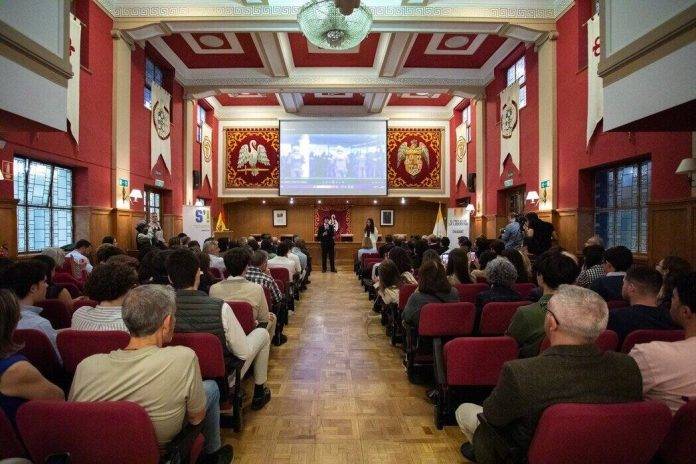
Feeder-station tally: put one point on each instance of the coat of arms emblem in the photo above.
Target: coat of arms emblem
(413, 156)
(160, 119)
(509, 122)
(253, 154)
(207, 149)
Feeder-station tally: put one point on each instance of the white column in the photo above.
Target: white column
(121, 115)
(480, 108)
(548, 143)
(189, 117)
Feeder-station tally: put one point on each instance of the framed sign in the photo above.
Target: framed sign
(280, 218)
(386, 217)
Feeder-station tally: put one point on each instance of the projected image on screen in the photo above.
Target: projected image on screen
(326, 158)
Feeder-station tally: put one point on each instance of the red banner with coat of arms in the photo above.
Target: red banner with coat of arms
(252, 158)
(338, 215)
(415, 158)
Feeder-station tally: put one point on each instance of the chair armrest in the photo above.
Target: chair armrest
(439, 362)
(179, 449)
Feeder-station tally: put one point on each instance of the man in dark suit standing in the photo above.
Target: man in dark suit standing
(325, 235)
(572, 370)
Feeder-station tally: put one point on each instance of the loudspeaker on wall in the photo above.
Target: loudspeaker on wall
(196, 180)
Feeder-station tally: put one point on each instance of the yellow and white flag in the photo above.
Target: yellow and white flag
(160, 143)
(510, 124)
(595, 91)
(207, 154)
(439, 230)
(73, 113)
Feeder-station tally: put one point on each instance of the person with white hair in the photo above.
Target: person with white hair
(501, 275)
(572, 370)
(212, 249)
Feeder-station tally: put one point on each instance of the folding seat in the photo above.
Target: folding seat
(437, 324)
(213, 367)
(397, 330)
(76, 345)
(468, 292)
(282, 274)
(112, 432)
(286, 292)
(608, 340)
(524, 289)
(496, 317)
(40, 353)
(647, 336)
(57, 313)
(467, 369)
(625, 433)
(679, 446)
(10, 445)
(244, 314)
(614, 304)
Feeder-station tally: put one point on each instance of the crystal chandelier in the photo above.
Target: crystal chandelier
(323, 23)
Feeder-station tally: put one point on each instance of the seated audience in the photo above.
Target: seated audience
(257, 272)
(669, 368)
(497, 246)
(198, 312)
(483, 260)
(292, 256)
(539, 235)
(458, 267)
(431, 255)
(419, 247)
(501, 274)
(237, 288)
(79, 255)
(464, 243)
(108, 284)
(617, 260)
(386, 246)
(159, 270)
(444, 245)
(433, 287)
(366, 247)
(268, 247)
(553, 269)
(124, 260)
(174, 242)
(592, 266)
(211, 248)
(572, 370)
(253, 244)
(194, 246)
(671, 268)
(110, 240)
(54, 291)
(144, 370)
(297, 251)
(58, 255)
(282, 260)
(106, 251)
(27, 279)
(206, 279)
(595, 240)
(516, 257)
(19, 380)
(640, 288)
(402, 260)
(512, 233)
(389, 282)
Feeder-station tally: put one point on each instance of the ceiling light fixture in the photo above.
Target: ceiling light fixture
(335, 24)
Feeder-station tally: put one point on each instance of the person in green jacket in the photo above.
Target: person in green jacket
(553, 269)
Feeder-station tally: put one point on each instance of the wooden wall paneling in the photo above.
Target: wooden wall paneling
(490, 230)
(100, 225)
(566, 225)
(121, 228)
(82, 216)
(585, 226)
(671, 227)
(172, 225)
(479, 227)
(8, 231)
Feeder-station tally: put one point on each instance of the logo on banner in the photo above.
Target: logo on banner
(160, 119)
(253, 154)
(510, 114)
(207, 149)
(413, 157)
(461, 148)
(596, 47)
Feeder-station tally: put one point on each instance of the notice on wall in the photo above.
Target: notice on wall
(197, 223)
(458, 221)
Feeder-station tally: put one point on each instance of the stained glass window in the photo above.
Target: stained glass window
(44, 211)
(153, 73)
(621, 212)
(517, 72)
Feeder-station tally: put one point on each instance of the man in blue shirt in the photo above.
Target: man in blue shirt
(512, 233)
(28, 280)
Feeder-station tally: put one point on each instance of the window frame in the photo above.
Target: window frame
(466, 117)
(201, 115)
(148, 208)
(148, 83)
(640, 208)
(49, 203)
(521, 78)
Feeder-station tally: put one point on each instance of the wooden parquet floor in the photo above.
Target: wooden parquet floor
(339, 394)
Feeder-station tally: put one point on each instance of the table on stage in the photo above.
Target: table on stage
(345, 254)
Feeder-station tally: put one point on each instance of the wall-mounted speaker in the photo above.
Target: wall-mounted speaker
(471, 182)
(196, 180)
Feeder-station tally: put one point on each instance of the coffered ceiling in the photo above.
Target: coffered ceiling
(416, 57)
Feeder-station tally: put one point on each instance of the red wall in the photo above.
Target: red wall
(528, 171)
(91, 159)
(461, 191)
(666, 149)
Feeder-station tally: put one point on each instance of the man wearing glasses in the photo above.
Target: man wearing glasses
(572, 370)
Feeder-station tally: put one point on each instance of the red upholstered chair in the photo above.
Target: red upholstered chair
(524, 289)
(496, 317)
(69, 283)
(614, 304)
(626, 433)
(269, 297)
(469, 369)
(212, 363)
(77, 304)
(57, 313)
(244, 314)
(438, 323)
(215, 272)
(481, 280)
(112, 432)
(76, 345)
(647, 336)
(608, 340)
(468, 292)
(10, 445)
(679, 446)
(39, 352)
(366, 256)
(394, 316)
(282, 274)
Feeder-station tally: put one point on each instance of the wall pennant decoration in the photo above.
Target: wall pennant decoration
(160, 127)
(510, 124)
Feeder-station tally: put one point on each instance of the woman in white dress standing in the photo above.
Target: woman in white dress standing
(371, 231)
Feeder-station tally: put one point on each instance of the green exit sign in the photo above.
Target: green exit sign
(544, 184)
(123, 182)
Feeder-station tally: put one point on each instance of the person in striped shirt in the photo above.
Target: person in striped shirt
(108, 284)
